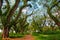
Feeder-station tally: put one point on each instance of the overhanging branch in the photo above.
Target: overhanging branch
(55, 4)
(51, 16)
(20, 11)
(11, 11)
(8, 6)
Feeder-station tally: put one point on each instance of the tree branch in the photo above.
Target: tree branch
(52, 17)
(20, 10)
(8, 6)
(11, 11)
(19, 13)
(23, 22)
(54, 4)
(1, 1)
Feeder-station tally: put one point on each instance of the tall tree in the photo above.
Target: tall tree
(55, 3)
(7, 15)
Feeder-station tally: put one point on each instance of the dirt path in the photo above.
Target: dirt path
(27, 37)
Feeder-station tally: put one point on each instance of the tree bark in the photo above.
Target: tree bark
(22, 30)
(5, 32)
(7, 23)
(1, 1)
(12, 10)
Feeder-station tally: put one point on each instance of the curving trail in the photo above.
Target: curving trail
(27, 37)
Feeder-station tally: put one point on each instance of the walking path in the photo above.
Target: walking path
(26, 37)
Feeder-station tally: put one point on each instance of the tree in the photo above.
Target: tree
(50, 5)
(55, 3)
(7, 15)
(22, 23)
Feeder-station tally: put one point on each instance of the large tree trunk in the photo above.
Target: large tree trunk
(5, 32)
(22, 30)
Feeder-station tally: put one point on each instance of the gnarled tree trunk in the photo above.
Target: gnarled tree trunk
(5, 32)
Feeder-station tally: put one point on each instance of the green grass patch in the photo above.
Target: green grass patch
(51, 32)
(15, 35)
(0, 36)
(47, 36)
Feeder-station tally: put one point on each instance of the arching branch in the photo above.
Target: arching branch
(20, 10)
(51, 16)
(11, 11)
(8, 5)
(8, 8)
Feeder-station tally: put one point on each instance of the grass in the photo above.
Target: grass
(47, 36)
(54, 35)
(0, 37)
(15, 35)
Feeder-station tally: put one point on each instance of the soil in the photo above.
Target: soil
(26, 37)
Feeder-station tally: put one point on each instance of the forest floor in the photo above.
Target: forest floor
(26, 37)
(38, 36)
